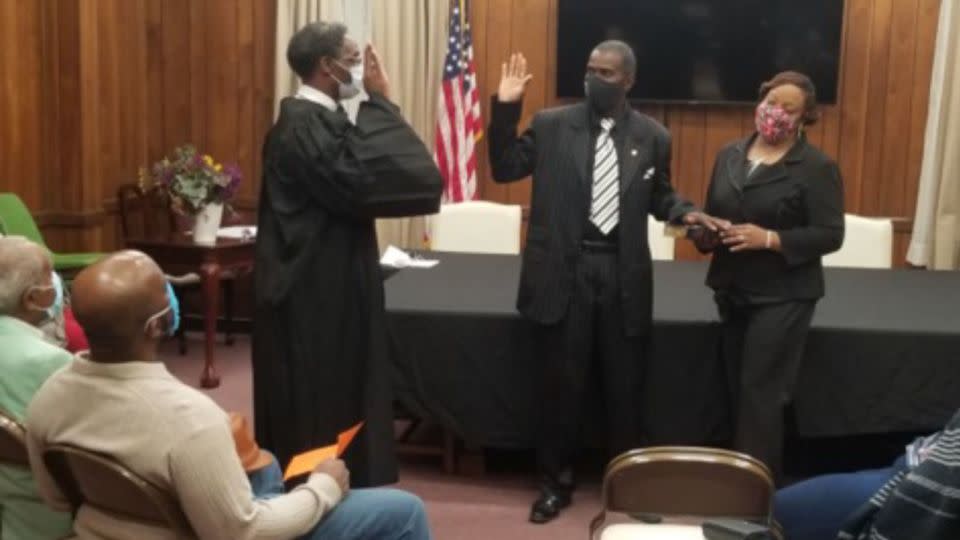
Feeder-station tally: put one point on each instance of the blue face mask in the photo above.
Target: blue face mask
(56, 309)
(173, 306)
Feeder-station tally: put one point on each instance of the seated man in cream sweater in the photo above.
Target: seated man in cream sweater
(120, 401)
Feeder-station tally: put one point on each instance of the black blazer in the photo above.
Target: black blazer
(801, 198)
(555, 149)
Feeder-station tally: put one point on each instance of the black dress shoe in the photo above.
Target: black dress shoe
(548, 507)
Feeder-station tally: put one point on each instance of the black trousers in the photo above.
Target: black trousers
(762, 349)
(588, 344)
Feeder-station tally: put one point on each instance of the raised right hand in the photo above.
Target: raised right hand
(513, 79)
(374, 75)
(338, 470)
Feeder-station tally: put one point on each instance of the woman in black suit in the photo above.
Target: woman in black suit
(784, 198)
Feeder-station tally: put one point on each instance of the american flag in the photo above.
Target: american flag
(459, 125)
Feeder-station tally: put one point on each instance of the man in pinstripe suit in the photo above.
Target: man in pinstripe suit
(599, 168)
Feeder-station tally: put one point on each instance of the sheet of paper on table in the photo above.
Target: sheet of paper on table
(238, 232)
(306, 462)
(397, 258)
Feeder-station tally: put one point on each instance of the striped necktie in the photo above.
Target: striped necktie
(604, 210)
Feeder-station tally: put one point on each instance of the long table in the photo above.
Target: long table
(883, 354)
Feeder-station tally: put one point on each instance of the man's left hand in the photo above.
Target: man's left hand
(704, 220)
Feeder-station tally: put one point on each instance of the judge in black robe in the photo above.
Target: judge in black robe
(319, 340)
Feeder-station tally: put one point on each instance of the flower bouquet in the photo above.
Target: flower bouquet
(197, 186)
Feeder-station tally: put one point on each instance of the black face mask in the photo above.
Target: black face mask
(603, 96)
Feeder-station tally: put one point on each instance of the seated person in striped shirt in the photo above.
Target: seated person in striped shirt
(918, 497)
(120, 401)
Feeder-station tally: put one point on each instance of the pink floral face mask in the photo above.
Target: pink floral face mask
(774, 123)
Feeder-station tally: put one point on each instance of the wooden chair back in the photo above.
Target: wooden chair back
(87, 478)
(145, 214)
(13, 446)
(687, 482)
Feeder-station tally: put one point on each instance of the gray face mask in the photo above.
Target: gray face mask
(352, 88)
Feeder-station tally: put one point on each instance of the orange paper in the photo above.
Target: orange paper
(345, 438)
(308, 461)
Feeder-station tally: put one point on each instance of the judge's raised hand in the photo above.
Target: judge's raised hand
(374, 75)
(513, 79)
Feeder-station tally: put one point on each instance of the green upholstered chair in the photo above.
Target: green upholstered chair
(15, 219)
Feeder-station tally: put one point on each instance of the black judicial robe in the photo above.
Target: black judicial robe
(319, 341)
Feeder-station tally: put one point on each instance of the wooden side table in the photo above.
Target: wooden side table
(177, 255)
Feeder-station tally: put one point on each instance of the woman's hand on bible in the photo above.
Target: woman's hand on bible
(705, 220)
(747, 236)
(375, 78)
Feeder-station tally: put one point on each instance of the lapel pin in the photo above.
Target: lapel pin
(633, 152)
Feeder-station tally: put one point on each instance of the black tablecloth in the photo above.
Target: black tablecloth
(883, 354)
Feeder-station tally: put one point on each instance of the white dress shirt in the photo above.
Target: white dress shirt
(310, 93)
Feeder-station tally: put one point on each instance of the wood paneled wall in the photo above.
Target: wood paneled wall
(875, 131)
(22, 152)
(95, 90)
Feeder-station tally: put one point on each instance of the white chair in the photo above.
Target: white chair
(867, 243)
(477, 227)
(661, 246)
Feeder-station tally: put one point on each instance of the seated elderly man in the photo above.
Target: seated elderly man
(918, 497)
(120, 401)
(59, 327)
(28, 293)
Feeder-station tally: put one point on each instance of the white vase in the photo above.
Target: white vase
(207, 224)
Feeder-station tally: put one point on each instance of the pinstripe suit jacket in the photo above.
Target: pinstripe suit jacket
(555, 149)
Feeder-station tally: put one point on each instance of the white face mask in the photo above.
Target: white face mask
(352, 88)
(55, 308)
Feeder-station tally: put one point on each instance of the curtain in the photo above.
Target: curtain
(411, 36)
(936, 230)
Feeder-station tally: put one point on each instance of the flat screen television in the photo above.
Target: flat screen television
(704, 51)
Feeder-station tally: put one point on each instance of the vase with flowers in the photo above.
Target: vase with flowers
(197, 185)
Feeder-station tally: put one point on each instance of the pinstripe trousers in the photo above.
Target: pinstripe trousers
(590, 337)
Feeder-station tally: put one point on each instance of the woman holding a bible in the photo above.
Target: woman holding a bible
(784, 198)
